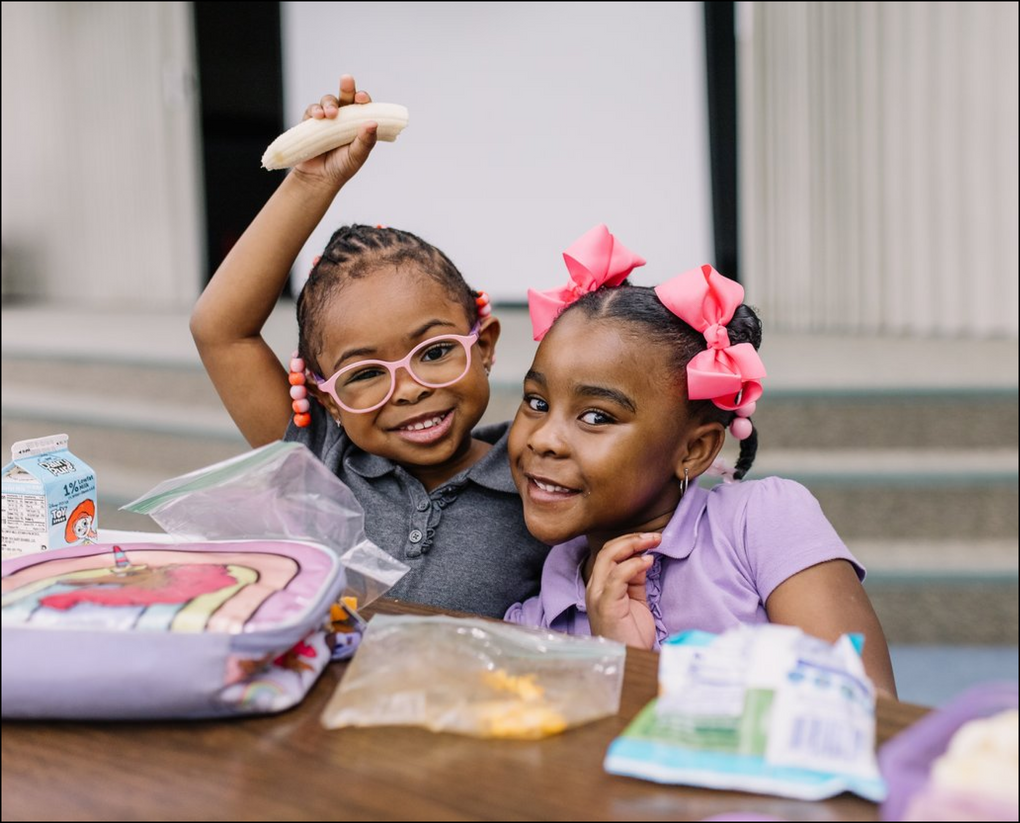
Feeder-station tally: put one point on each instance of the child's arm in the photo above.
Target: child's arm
(615, 595)
(827, 600)
(228, 318)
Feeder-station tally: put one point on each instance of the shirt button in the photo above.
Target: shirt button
(415, 536)
(423, 505)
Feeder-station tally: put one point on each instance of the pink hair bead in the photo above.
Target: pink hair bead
(297, 364)
(300, 406)
(741, 428)
(746, 411)
(298, 392)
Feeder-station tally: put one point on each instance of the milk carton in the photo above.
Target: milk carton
(49, 497)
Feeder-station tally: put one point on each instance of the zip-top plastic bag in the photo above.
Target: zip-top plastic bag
(476, 677)
(279, 490)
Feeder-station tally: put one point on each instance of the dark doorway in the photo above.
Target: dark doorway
(240, 71)
(721, 70)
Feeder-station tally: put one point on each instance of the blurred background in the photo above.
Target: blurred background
(854, 165)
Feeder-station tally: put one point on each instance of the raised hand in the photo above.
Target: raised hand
(338, 166)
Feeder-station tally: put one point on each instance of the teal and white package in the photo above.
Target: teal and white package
(762, 708)
(49, 498)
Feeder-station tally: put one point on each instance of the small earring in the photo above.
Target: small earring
(685, 482)
(298, 392)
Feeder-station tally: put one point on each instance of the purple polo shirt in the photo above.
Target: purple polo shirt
(723, 553)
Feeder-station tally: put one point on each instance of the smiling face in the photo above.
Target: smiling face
(602, 435)
(382, 316)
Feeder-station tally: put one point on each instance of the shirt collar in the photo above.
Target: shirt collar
(491, 472)
(369, 465)
(681, 533)
(562, 584)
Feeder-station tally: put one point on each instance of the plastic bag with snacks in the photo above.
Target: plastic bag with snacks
(476, 677)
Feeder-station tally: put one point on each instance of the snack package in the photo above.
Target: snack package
(476, 677)
(762, 708)
(49, 498)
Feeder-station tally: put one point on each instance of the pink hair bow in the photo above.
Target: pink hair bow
(727, 375)
(595, 259)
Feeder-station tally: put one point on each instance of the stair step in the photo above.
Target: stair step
(164, 413)
(902, 561)
(947, 611)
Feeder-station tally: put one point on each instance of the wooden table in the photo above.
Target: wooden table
(288, 767)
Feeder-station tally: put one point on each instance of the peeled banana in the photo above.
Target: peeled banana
(312, 137)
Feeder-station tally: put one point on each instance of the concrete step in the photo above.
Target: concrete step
(932, 675)
(947, 611)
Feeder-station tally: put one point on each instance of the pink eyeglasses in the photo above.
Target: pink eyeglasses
(369, 384)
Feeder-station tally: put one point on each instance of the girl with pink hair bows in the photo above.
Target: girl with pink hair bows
(628, 402)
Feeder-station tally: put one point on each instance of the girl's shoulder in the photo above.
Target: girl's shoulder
(774, 528)
(769, 495)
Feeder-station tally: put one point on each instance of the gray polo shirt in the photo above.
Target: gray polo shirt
(466, 541)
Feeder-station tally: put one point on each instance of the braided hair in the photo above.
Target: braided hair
(640, 305)
(355, 252)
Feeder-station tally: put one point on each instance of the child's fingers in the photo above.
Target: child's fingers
(625, 579)
(621, 548)
(314, 110)
(631, 571)
(363, 144)
(362, 97)
(330, 105)
(347, 90)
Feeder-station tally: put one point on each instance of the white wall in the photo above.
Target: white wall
(101, 160)
(529, 123)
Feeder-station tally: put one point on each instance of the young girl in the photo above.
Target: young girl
(394, 349)
(627, 403)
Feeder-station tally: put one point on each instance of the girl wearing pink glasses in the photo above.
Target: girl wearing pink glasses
(628, 401)
(387, 386)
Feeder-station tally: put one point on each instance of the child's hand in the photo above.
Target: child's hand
(615, 597)
(336, 167)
